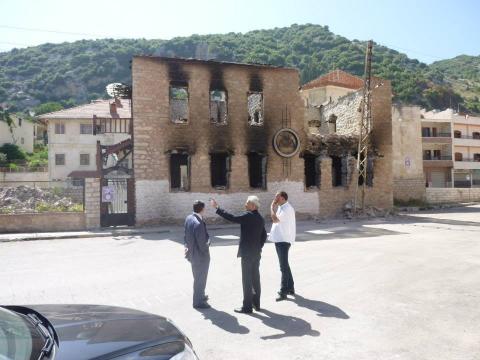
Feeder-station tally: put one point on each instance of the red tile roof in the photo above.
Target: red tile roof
(337, 78)
(100, 108)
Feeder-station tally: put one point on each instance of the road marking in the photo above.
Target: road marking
(227, 237)
(319, 232)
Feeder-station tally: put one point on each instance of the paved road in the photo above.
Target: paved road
(403, 288)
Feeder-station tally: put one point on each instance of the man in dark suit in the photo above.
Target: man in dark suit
(197, 251)
(252, 239)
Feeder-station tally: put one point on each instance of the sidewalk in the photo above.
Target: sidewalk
(107, 232)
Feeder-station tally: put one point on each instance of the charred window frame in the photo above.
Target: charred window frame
(220, 165)
(312, 166)
(255, 108)
(218, 107)
(338, 171)
(179, 97)
(257, 170)
(179, 171)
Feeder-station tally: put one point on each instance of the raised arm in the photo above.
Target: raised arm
(273, 212)
(239, 219)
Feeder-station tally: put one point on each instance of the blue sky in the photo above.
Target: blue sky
(427, 30)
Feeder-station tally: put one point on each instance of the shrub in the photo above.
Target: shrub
(13, 152)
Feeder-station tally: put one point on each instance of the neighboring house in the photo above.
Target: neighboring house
(72, 145)
(21, 134)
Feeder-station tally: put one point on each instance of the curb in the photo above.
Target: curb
(83, 236)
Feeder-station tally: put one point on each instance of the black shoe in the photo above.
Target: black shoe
(291, 292)
(202, 306)
(243, 311)
(256, 307)
(281, 297)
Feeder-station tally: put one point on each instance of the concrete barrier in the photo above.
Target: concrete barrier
(452, 195)
(42, 222)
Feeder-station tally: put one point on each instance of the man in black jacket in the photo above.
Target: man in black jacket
(252, 239)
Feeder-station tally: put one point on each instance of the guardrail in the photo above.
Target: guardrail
(449, 135)
(437, 158)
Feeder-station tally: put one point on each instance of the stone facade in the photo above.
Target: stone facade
(408, 177)
(156, 137)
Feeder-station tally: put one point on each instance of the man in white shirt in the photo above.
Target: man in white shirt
(283, 235)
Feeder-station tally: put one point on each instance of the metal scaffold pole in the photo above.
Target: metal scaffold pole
(365, 128)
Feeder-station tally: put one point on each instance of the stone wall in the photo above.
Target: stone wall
(41, 222)
(18, 177)
(345, 110)
(92, 203)
(452, 195)
(408, 177)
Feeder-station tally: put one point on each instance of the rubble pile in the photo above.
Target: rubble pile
(368, 212)
(25, 198)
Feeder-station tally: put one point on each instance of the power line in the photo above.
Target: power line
(49, 31)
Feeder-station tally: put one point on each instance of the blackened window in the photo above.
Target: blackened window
(312, 171)
(218, 107)
(219, 170)
(179, 104)
(337, 171)
(255, 108)
(257, 170)
(332, 123)
(179, 172)
(457, 134)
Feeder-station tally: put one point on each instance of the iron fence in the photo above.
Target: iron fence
(42, 196)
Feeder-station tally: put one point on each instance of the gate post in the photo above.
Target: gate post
(92, 203)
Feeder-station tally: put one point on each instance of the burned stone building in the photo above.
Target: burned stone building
(227, 130)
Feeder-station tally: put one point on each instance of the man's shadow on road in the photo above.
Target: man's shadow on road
(224, 321)
(290, 326)
(323, 309)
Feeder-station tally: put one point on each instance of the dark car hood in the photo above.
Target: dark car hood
(91, 331)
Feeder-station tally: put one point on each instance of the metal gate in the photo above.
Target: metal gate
(117, 202)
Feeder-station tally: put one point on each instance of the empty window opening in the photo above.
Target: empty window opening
(476, 135)
(476, 157)
(219, 170)
(179, 104)
(84, 159)
(457, 134)
(255, 108)
(332, 123)
(425, 132)
(312, 171)
(218, 106)
(337, 171)
(458, 156)
(257, 170)
(179, 172)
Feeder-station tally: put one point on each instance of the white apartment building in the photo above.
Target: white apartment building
(72, 141)
(451, 149)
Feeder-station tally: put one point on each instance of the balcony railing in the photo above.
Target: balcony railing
(469, 160)
(467, 137)
(437, 157)
(437, 135)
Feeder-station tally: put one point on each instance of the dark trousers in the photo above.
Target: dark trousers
(251, 281)
(287, 279)
(200, 273)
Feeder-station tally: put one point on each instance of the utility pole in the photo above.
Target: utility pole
(365, 128)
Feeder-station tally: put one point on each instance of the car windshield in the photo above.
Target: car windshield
(18, 338)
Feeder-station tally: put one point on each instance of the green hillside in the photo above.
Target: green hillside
(74, 73)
